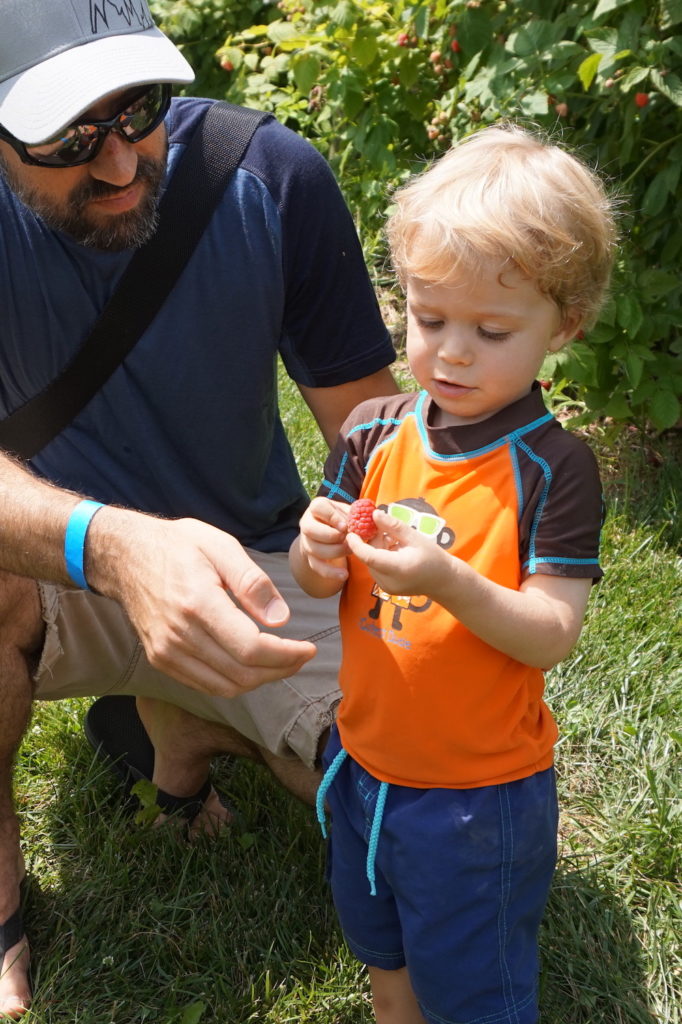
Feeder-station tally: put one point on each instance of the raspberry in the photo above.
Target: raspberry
(360, 519)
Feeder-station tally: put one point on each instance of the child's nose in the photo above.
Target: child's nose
(455, 348)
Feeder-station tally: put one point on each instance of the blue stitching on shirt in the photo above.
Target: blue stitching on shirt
(376, 422)
(335, 487)
(460, 456)
(515, 439)
(562, 561)
(518, 483)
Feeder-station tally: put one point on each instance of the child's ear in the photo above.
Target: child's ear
(571, 322)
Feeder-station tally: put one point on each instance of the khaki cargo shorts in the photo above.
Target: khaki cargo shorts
(91, 650)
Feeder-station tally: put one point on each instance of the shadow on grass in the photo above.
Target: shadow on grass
(593, 968)
(130, 924)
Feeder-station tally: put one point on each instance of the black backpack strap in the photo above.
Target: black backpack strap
(195, 189)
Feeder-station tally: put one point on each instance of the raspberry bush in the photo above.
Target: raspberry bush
(380, 87)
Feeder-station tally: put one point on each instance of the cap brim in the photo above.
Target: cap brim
(37, 104)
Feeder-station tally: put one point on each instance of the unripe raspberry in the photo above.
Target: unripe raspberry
(360, 519)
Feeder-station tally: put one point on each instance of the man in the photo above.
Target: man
(182, 449)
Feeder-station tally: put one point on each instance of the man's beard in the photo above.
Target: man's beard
(127, 230)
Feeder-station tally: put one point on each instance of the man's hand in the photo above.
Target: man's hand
(196, 600)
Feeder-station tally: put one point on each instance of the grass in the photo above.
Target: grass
(131, 925)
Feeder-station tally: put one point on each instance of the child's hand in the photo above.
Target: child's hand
(401, 560)
(322, 538)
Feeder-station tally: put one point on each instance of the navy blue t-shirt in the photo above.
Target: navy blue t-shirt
(188, 425)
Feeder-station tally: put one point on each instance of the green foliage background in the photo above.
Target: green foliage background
(381, 87)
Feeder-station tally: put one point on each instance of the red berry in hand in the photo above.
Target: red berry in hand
(360, 519)
(642, 99)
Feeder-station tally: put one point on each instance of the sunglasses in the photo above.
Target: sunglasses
(423, 522)
(80, 143)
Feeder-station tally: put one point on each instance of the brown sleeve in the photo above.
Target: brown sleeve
(563, 508)
(366, 427)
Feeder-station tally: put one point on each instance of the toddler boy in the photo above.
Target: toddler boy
(439, 771)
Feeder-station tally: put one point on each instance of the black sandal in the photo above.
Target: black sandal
(116, 734)
(10, 933)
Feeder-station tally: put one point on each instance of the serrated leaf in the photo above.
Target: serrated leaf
(364, 48)
(633, 77)
(634, 367)
(618, 407)
(671, 13)
(534, 103)
(306, 70)
(279, 31)
(254, 31)
(344, 14)
(654, 283)
(535, 37)
(588, 69)
(629, 313)
(606, 6)
(669, 85)
(664, 409)
(474, 32)
(655, 196)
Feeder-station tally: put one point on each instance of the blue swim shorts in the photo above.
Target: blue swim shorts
(461, 876)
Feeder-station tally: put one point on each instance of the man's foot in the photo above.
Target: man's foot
(15, 991)
(117, 733)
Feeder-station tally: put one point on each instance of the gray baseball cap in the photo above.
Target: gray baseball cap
(59, 57)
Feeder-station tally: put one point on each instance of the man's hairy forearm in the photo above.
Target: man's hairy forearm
(33, 518)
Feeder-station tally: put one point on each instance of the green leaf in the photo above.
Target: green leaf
(629, 313)
(664, 409)
(656, 283)
(618, 407)
(671, 13)
(536, 37)
(534, 103)
(364, 48)
(606, 6)
(193, 1013)
(588, 69)
(634, 367)
(655, 196)
(474, 32)
(344, 14)
(633, 77)
(279, 31)
(306, 69)
(669, 85)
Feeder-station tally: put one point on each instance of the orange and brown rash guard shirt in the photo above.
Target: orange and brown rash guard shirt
(426, 703)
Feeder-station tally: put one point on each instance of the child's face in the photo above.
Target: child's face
(477, 344)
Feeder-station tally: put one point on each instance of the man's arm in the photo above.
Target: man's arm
(177, 580)
(331, 406)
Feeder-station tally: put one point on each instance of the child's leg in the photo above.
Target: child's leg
(393, 998)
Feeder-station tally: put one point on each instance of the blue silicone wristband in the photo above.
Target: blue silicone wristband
(74, 540)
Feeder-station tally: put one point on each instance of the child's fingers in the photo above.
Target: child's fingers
(328, 570)
(331, 513)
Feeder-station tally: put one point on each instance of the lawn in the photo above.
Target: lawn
(130, 924)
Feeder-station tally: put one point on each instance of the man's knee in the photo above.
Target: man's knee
(21, 621)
